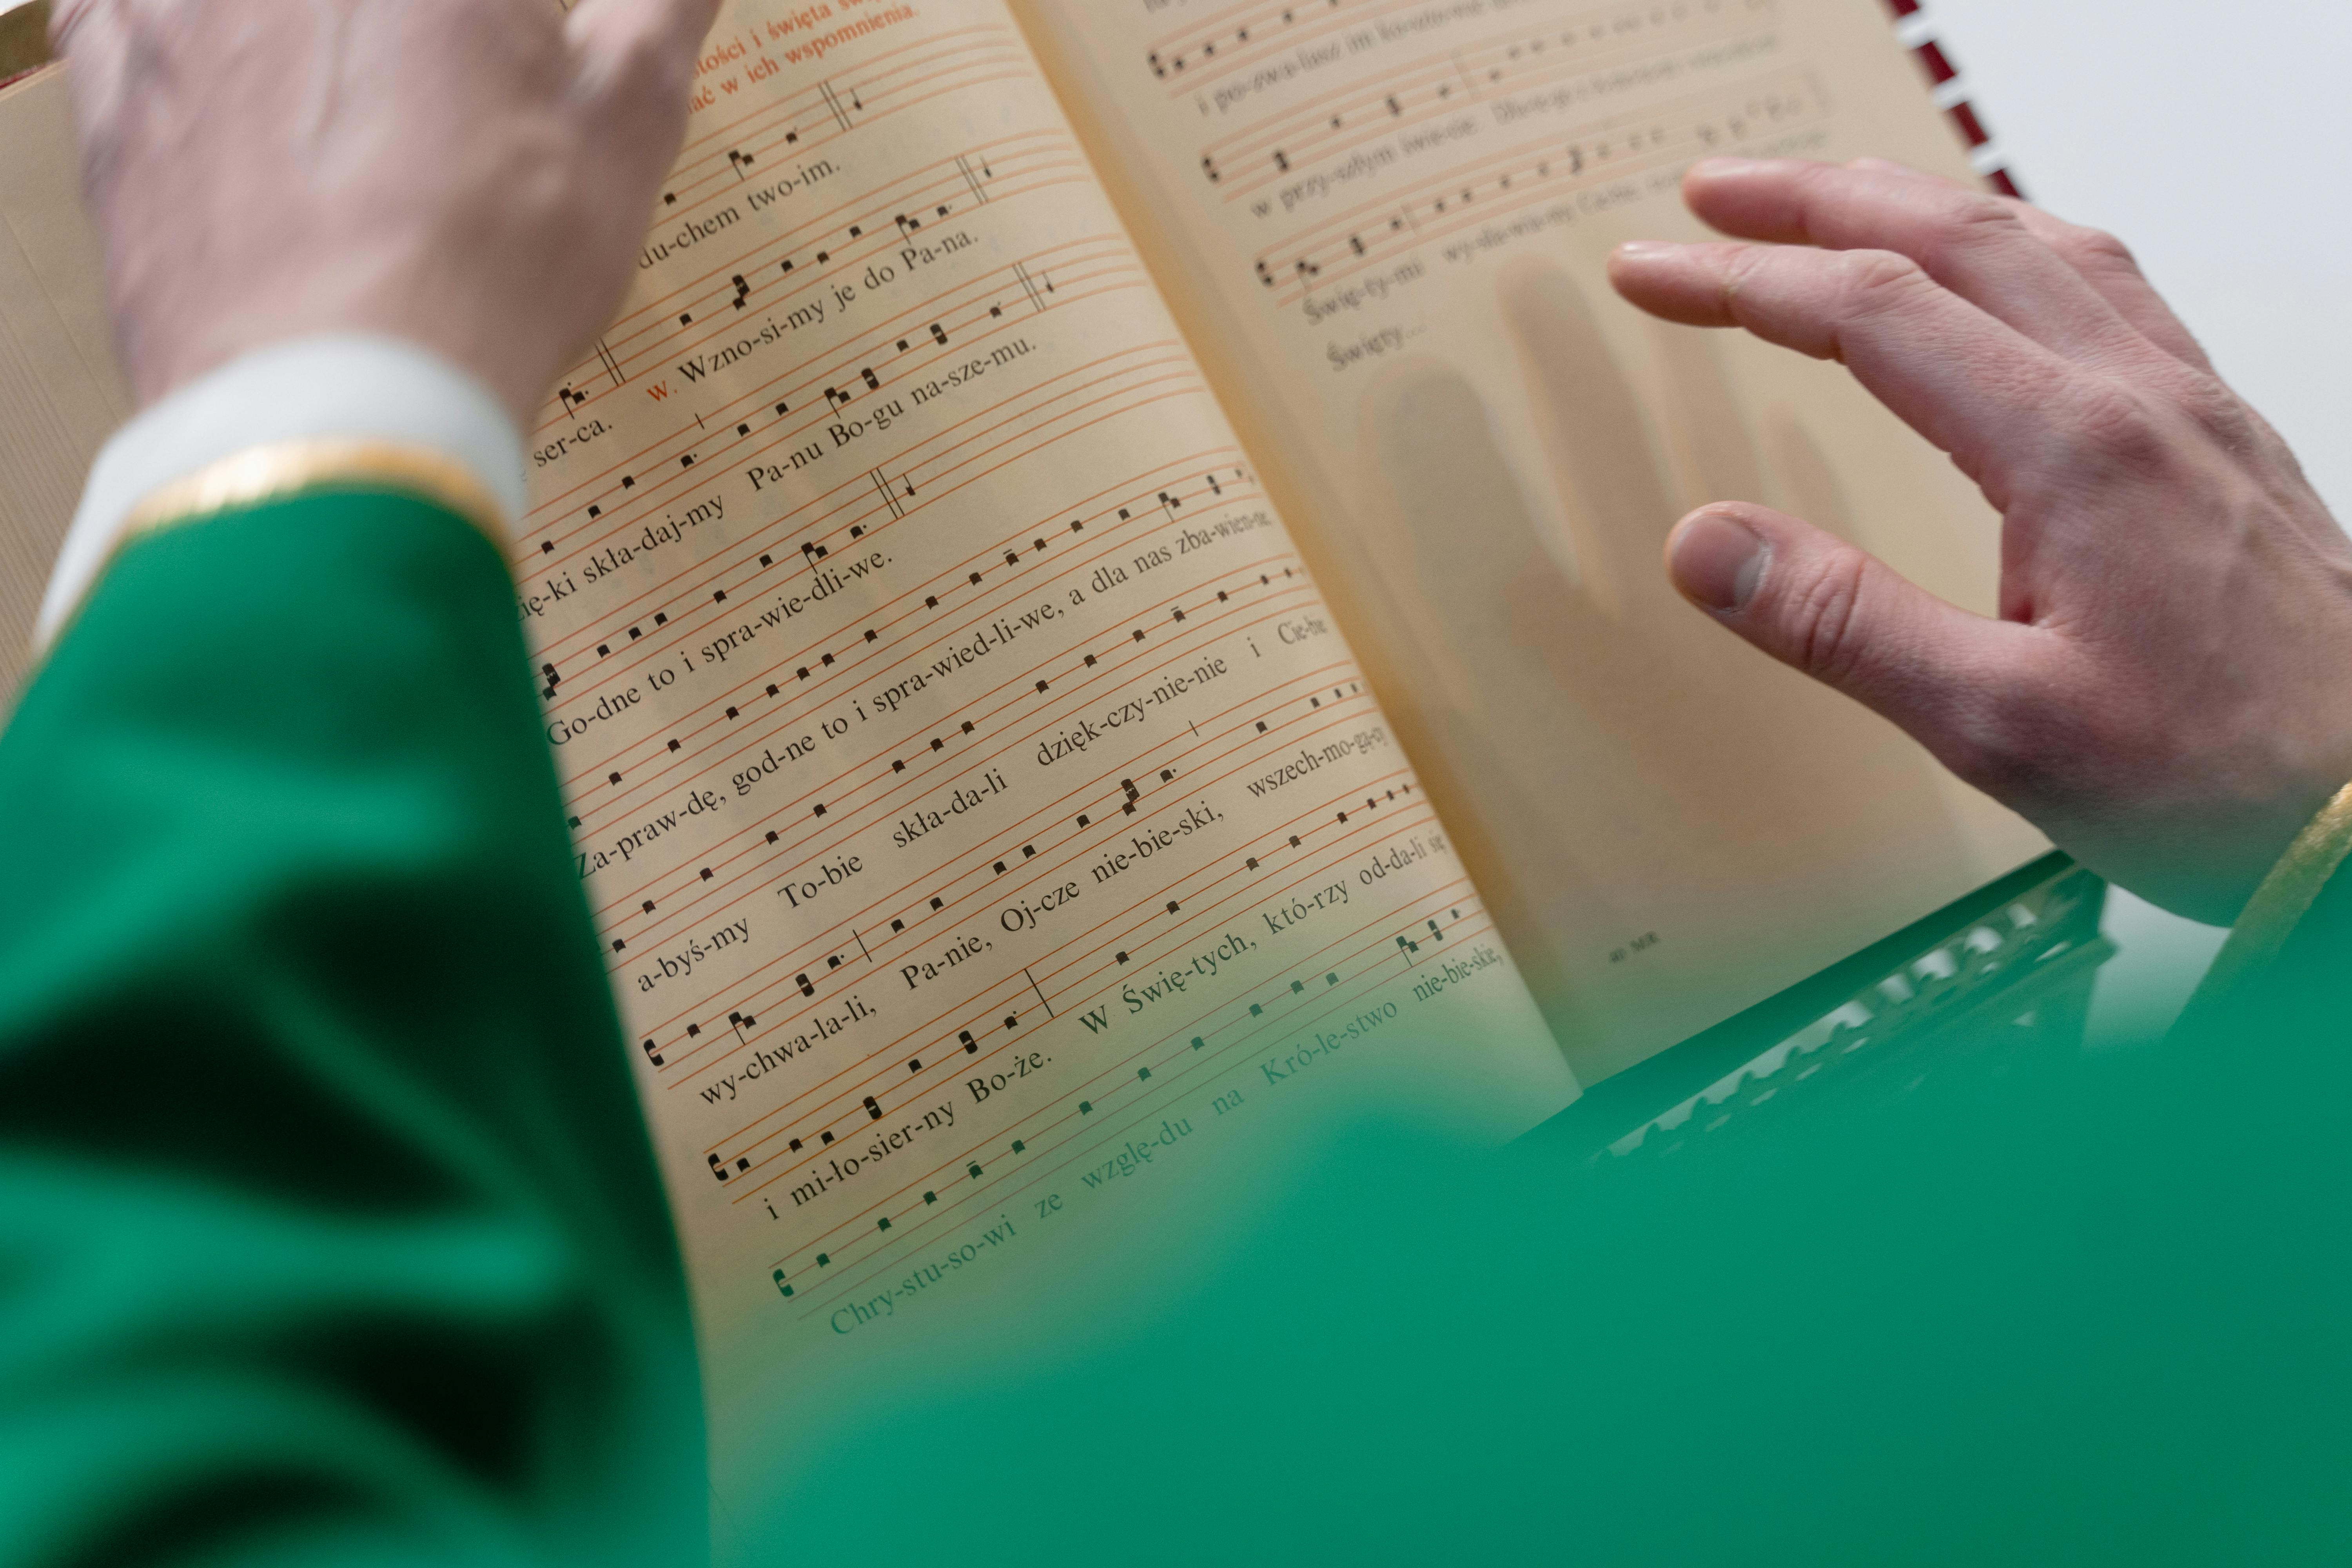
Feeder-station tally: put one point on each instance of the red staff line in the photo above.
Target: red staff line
(1368, 979)
(921, 41)
(749, 991)
(1317, 108)
(1252, 53)
(1204, 27)
(1027, 423)
(855, 504)
(1337, 227)
(668, 636)
(892, 614)
(1192, 1066)
(1465, 217)
(1015, 688)
(801, 382)
(838, 790)
(665, 341)
(873, 1064)
(917, 186)
(681, 627)
(803, 147)
(799, 379)
(812, 120)
(1515, 79)
(825, 840)
(626, 520)
(855, 666)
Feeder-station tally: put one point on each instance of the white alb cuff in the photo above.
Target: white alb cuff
(348, 387)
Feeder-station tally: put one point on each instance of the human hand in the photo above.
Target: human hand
(471, 175)
(2166, 691)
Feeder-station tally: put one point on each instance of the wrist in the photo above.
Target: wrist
(339, 387)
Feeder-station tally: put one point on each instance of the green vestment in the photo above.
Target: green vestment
(329, 1230)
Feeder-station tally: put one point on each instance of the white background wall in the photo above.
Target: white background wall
(2217, 139)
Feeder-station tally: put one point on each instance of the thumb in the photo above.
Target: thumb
(1841, 615)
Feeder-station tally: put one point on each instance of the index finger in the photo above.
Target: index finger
(1970, 241)
(1975, 386)
(2105, 262)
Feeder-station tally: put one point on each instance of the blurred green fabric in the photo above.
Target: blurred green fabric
(329, 1234)
(329, 1231)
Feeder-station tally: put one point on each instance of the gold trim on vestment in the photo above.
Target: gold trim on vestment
(279, 472)
(2277, 907)
(282, 472)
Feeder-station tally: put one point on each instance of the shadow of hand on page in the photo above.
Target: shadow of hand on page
(1619, 740)
(1790, 777)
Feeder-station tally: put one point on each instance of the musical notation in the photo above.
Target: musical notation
(1129, 788)
(944, 190)
(976, 176)
(1569, 59)
(1272, 23)
(841, 108)
(1164, 1066)
(1530, 175)
(804, 620)
(931, 338)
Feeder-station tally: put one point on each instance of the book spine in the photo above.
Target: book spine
(1951, 95)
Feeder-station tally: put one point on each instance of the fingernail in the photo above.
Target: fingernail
(1645, 249)
(1715, 166)
(1717, 561)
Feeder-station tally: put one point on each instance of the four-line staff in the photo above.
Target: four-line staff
(1276, 24)
(1028, 421)
(1050, 824)
(1209, 911)
(693, 362)
(1085, 960)
(1319, 133)
(738, 248)
(1531, 174)
(897, 635)
(952, 887)
(1289, 1014)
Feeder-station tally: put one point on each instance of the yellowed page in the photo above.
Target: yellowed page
(994, 839)
(1385, 225)
(969, 779)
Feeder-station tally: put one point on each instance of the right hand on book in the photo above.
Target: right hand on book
(2165, 692)
(470, 175)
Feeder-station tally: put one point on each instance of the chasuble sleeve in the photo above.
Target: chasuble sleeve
(329, 1228)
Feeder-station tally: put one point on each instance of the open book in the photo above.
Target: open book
(1105, 583)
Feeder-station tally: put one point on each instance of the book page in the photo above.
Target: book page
(1385, 224)
(975, 792)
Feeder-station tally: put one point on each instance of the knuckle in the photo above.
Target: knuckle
(2109, 422)
(2215, 409)
(2096, 250)
(1972, 220)
(1822, 616)
(1962, 227)
(1876, 282)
